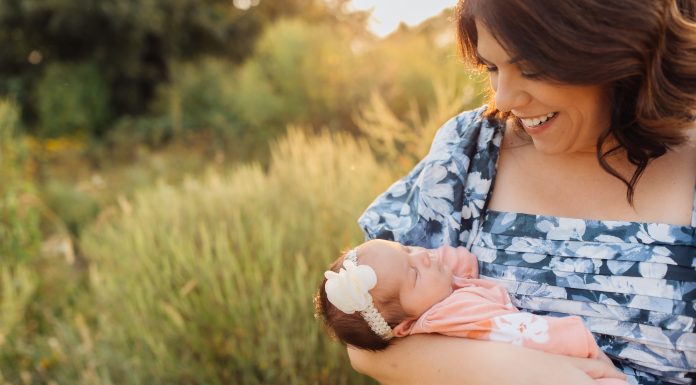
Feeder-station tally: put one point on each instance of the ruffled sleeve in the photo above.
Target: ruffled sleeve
(440, 201)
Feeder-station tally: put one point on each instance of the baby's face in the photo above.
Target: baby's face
(413, 274)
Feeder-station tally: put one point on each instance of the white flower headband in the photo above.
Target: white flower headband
(348, 290)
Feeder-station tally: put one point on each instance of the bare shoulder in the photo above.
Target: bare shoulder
(684, 156)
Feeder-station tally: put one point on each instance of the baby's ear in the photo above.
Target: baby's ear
(403, 328)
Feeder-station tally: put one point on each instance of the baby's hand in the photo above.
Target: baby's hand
(600, 367)
(605, 358)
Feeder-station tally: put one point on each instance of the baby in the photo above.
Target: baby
(382, 289)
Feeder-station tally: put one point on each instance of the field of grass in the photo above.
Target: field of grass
(180, 248)
(211, 281)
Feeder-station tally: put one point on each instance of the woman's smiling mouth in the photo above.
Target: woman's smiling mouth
(534, 122)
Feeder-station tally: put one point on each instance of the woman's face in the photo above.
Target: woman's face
(559, 118)
(411, 274)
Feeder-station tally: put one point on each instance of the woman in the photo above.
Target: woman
(575, 187)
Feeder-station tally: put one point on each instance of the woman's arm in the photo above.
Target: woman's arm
(436, 359)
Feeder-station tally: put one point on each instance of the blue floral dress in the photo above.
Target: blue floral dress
(634, 284)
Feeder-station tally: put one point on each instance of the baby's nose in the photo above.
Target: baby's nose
(422, 258)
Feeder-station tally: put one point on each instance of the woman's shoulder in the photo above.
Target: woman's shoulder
(438, 200)
(465, 143)
(470, 126)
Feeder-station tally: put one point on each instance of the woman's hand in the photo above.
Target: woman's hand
(436, 359)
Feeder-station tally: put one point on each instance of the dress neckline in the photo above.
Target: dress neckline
(606, 222)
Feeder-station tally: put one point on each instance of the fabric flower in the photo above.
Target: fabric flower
(517, 327)
(435, 193)
(348, 289)
(655, 233)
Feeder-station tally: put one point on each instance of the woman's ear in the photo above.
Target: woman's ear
(403, 328)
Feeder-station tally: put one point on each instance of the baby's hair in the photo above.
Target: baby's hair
(351, 329)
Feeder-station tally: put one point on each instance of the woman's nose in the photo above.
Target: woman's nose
(510, 92)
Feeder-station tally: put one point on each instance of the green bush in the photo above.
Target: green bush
(199, 98)
(401, 139)
(211, 282)
(19, 215)
(20, 240)
(71, 99)
(75, 208)
(303, 74)
(409, 65)
(313, 75)
(130, 132)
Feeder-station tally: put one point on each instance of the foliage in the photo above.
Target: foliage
(72, 99)
(42, 326)
(300, 73)
(20, 238)
(17, 287)
(212, 281)
(402, 139)
(133, 41)
(19, 229)
(316, 75)
(75, 208)
(19, 217)
(199, 97)
(206, 281)
(408, 64)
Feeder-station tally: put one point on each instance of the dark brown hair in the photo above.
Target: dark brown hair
(352, 329)
(644, 51)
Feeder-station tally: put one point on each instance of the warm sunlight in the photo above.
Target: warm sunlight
(387, 14)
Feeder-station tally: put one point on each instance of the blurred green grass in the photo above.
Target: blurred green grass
(212, 280)
(185, 245)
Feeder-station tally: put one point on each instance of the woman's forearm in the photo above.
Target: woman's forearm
(435, 359)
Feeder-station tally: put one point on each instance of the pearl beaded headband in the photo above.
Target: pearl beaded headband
(348, 290)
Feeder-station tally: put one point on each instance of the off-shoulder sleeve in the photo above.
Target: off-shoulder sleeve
(440, 200)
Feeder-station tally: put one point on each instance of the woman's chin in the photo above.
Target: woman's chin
(545, 147)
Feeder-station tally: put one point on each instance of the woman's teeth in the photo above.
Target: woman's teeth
(533, 122)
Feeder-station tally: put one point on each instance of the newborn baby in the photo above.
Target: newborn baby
(382, 289)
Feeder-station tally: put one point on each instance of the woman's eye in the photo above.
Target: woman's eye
(527, 72)
(486, 65)
(530, 75)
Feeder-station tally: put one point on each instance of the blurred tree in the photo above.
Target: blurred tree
(133, 42)
(71, 99)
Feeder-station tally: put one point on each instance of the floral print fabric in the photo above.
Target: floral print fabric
(634, 284)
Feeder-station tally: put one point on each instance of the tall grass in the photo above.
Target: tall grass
(403, 139)
(19, 220)
(211, 282)
(19, 228)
